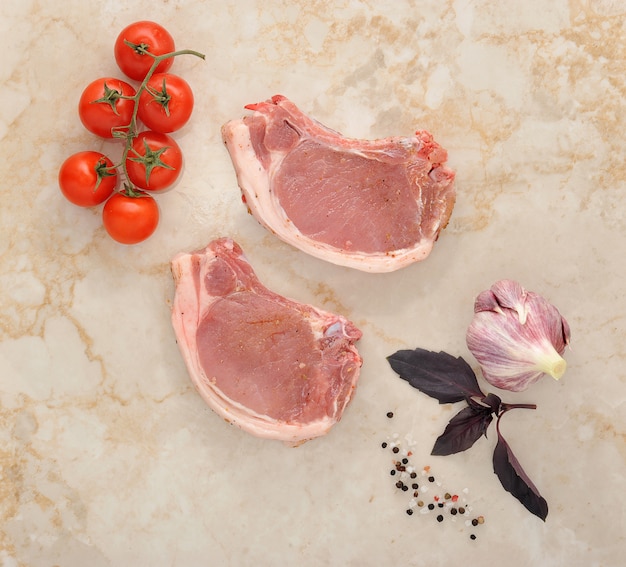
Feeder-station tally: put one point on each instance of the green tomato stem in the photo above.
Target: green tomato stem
(129, 132)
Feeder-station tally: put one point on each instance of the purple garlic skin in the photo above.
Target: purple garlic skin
(517, 336)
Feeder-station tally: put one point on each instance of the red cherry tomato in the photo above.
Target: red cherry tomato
(145, 37)
(130, 219)
(87, 178)
(154, 162)
(101, 108)
(166, 103)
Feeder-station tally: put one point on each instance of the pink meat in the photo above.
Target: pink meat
(274, 367)
(373, 205)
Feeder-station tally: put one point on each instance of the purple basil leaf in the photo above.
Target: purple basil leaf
(437, 374)
(462, 431)
(516, 481)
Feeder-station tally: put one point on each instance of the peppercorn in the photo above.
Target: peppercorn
(389, 414)
(403, 469)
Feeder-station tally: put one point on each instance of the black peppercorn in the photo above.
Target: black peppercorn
(389, 414)
(440, 518)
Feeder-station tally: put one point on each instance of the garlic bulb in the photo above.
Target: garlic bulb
(517, 336)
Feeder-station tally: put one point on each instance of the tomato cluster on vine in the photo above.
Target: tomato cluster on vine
(142, 117)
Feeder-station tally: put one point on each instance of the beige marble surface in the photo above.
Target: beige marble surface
(108, 457)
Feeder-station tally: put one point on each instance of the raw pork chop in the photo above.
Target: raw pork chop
(274, 367)
(372, 205)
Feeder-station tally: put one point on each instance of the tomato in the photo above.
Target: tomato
(87, 178)
(145, 37)
(154, 161)
(130, 218)
(101, 108)
(166, 103)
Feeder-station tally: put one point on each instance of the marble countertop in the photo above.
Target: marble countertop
(109, 457)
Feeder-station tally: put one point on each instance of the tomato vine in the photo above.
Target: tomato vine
(129, 132)
(112, 108)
